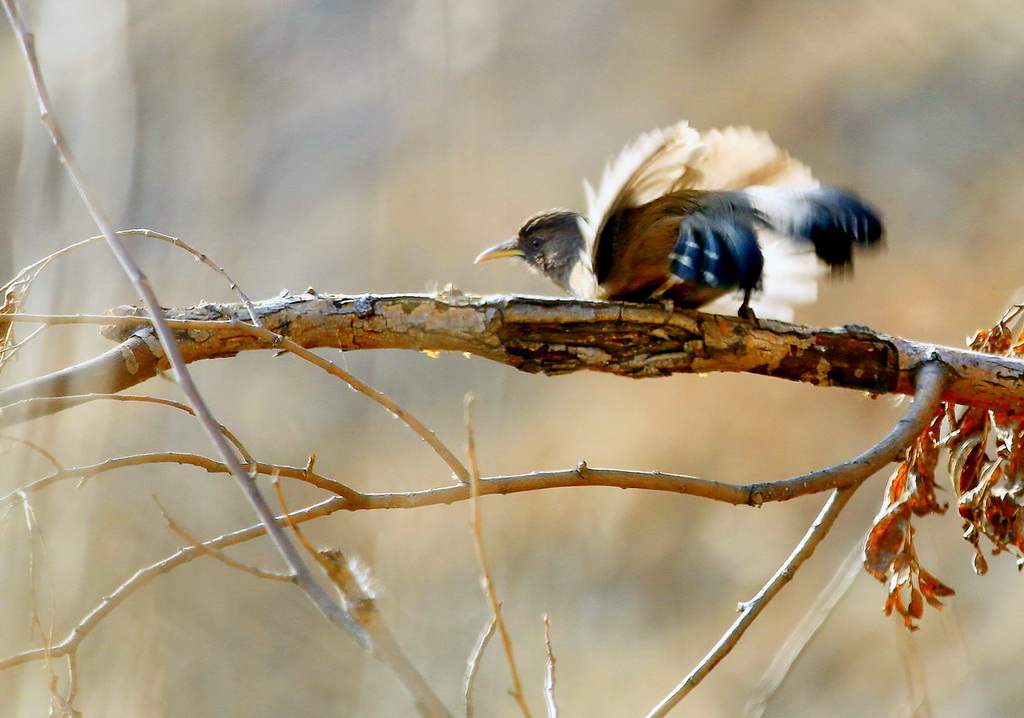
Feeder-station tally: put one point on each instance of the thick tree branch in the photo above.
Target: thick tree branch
(532, 334)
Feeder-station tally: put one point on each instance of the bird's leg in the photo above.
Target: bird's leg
(745, 312)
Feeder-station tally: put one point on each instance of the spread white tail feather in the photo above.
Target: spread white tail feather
(782, 206)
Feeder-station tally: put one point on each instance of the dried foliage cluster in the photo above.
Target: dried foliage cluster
(986, 465)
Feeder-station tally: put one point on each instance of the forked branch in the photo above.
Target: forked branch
(932, 379)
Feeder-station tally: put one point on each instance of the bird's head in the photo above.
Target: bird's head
(550, 242)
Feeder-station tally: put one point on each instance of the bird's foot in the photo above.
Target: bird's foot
(747, 313)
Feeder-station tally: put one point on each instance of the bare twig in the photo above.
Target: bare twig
(755, 494)
(549, 674)
(750, 610)
(168, 343)
(11, 348)
(35, 532)
(932, 380)
(473, 665)
(184, 459)
(485, 571)
(199, 257)
(72, 677)
(36, 448)
(26, 275)
(219, 555)
(275, 478)
(410, 420)
(143, 576)
(130, 398)
(793, 647)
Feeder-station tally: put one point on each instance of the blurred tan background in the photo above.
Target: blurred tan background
(377, 147)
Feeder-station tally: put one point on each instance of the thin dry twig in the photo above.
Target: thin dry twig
(485, 571)
(60, 705)
(750, 610)
(219, 555)
(473, 665)
(144, 576)
(410, 420)
(275, 478)
(199, 257)
(755, 494)
(184, 459)
(797, 641)
(72, 677)
(29, 273)
(143, 399)
(549, 673)
(34, 447)
(932, 379)
(35, 532)
(304, 579)
(9, 348)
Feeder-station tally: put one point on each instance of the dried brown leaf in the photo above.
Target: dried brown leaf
(886, 541)
(916, 607)
(933, 589)
(889, 552)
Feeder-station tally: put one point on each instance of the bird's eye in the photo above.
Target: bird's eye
(535, 242)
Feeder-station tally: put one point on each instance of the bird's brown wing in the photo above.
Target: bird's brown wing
(634, 262)
(644, 170)
(690, 246)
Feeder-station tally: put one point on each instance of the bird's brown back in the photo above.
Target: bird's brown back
(632, 257)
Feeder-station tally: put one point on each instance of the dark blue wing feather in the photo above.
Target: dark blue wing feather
(718, 250)
(831, 219)
(835, 221)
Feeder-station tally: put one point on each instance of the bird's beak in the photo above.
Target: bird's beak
(508, 248)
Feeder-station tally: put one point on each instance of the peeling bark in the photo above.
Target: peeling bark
(532, 334)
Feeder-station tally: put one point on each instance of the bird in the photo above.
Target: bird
(722, 220)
